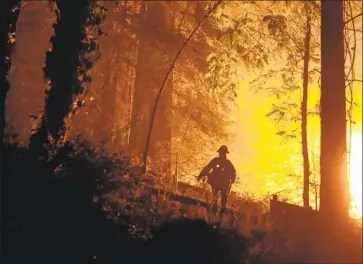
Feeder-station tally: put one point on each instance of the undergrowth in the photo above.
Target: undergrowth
(85, 205)
(147, 210)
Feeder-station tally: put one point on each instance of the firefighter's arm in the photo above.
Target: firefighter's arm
(205, 171)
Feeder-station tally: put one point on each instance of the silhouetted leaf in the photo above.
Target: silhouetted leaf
(281, 133)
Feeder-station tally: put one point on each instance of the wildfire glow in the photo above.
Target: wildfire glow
(356, 176)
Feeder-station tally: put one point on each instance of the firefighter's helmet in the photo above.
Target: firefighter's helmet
(223, 149)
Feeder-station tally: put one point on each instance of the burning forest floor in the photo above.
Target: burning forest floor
(84, 206)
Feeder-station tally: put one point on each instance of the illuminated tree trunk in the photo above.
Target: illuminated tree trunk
(9, 13)
(112, 72)
(141, 95)
(125, 77)
(26, 75)
(152, 64)
(108, 91)
(106, 117)
(334, 201)
(160, 147)
(129, 94)
(304, 138)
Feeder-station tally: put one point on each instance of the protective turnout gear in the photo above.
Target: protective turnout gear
(221, 175)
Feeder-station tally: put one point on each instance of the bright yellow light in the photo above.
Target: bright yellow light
(356, 176)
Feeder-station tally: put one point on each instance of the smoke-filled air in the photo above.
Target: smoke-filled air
(216, 132)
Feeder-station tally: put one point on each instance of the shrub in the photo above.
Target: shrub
(51, 214)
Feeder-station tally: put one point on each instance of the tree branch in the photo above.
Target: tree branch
(352, 18)
(161, 89)
(356, 30)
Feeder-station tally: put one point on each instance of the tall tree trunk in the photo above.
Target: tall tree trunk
(108, 91)
(165, 80)
(110, 67)
(9, 13)
(125, 76)
(152, 64)
(131, 83)
(142, 89)
(160, 147)
(125, 84)
(304, 102)
(97, 120)
(334, 197)
(26, 75)
(67, 68)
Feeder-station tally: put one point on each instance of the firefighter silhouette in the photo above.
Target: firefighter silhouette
(220, 174)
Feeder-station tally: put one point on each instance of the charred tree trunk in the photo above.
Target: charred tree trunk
(304, 113)
(334, 197)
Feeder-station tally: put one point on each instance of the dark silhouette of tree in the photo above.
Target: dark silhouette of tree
(334, 199)
(67, 67)
(9, 13)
